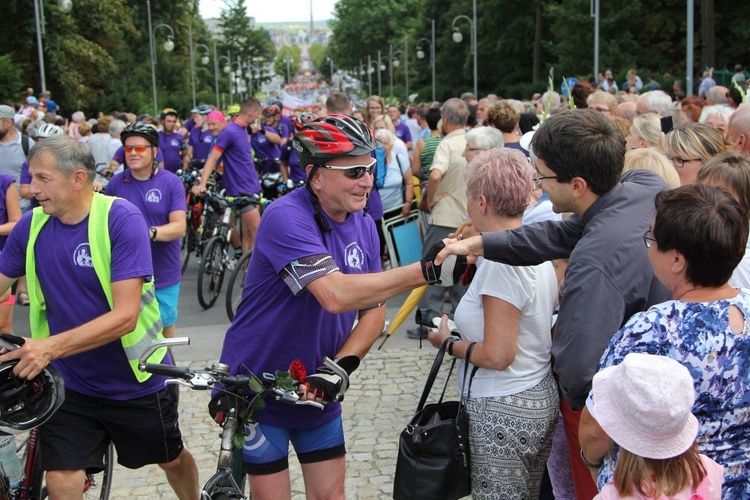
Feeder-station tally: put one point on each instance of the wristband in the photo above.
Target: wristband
(453, 340)
(152, 230)
(589, 464)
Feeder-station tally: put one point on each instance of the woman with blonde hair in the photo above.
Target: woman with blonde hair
(654, 160)
(690, 146)
(383, 122)
(645, 132)
(374, 108)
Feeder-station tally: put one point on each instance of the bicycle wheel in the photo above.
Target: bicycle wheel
(98, 485)
(211, 275)
(236, 284)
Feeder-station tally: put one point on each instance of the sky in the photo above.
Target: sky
(275, 11)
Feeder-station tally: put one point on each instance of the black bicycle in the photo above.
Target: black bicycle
(218, 254)
(247, 395)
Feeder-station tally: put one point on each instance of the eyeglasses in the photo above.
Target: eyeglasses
(355, 171)
(136, 149)
(680, 162)
(648, 238)
(539, 177)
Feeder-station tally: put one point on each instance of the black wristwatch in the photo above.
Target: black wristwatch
(152, 230)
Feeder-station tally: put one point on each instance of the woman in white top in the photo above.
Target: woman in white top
(513, 402)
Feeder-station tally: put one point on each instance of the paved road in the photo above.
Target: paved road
(382, 398)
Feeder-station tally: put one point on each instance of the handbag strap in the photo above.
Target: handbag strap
(433, 375)
(466, 371)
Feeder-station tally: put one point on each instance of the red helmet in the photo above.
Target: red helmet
(333, 136)
(271, 110)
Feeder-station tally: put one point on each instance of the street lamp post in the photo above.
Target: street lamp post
(237, 76)
(63, 6)
(288, 61)
(168, 46)
(369, 75)
(595, 14)
(380, 66)
(396, 63)
(204, 60)
(458, 37)
(420, 55)
(226, 69)
(330, 62)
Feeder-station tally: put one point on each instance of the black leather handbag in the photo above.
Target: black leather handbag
(433, 452)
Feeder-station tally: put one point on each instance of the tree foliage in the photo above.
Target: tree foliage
(292, 54)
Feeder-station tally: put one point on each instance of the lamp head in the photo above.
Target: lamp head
(396, 62)
(169, 44)
(457, 36)
(64, 6)
(420, 54)
(204, 60)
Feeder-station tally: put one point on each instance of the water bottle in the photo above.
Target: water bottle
(10, 462)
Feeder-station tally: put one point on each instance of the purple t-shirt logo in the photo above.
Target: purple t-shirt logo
(355, 257)
(153, 196)
(82, 256)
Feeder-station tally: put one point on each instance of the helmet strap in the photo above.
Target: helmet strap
(319, 218)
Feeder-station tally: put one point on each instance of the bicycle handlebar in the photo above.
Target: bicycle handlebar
(217, 375)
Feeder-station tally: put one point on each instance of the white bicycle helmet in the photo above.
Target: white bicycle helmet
(48, 130)
(28, 403)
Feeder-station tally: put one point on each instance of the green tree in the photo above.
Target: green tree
(11, 79)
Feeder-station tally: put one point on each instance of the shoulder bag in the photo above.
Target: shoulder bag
(433, 452)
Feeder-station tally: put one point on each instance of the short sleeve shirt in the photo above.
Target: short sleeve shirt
(697, 334)
(278, 319)
(200, 141)
(171, 146)
(156, 198)
(239, 169)
(74, 295)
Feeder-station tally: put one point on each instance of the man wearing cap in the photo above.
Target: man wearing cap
(12, 154)
(160, 196)
(315, 269)
(92, 315)
(200, 138)
(267, 139)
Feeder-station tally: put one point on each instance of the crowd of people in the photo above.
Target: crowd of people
(600, 266)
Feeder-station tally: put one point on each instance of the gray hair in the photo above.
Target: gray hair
(717, 94)
(657, 101)
(69, 155)
(719, 109)
(116, 127)
(456, 111)
(385, 134)
(78, 117)
(485, 138)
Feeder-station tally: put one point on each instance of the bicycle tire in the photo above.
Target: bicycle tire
(236, 284)
(99, 485)
(211, 275)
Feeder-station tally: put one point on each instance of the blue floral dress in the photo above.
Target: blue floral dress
(697, 334)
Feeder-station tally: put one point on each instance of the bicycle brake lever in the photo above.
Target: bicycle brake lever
(174, 381)
(308, 402)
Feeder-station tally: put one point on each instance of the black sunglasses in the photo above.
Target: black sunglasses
(355, 171)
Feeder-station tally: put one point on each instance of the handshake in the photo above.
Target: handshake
(446, 274)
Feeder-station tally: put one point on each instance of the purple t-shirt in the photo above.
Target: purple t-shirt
(239, 170)
(74, 295)
(156, 198)
(265, 151)
(278, 319)
(296, 172)
(171, 146)
(119, 156)
(200, 141)
(287, 127)
(403, 132)
(5, 183)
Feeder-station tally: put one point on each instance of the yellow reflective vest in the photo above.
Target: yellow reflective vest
(149, 327)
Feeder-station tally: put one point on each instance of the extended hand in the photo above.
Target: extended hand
(446, 273)
(33, 356)
(470, 247)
